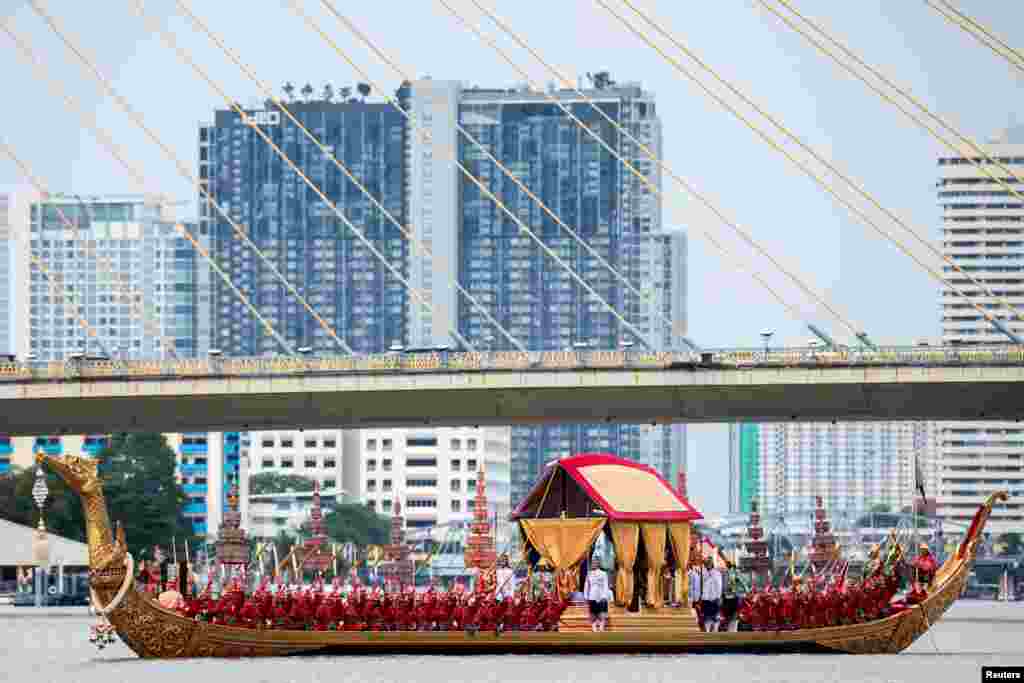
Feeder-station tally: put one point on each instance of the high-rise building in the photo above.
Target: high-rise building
(123, 247)
(744, 466)
(982, 233)
(316, 455)
(532, 296)
(14, 264)
(340, 277)
(853, 466)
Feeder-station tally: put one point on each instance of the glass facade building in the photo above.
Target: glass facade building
(342, 280)
(530, 294)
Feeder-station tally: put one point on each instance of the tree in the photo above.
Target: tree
(364, 90)
(356, 523)
(289, 90)
(344, 93)
(328, 94)
(274, 482)
(880, 507)
(138, 472)
(307, 92)
(62, 511)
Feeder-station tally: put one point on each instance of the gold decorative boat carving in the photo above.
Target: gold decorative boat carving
(152, 631)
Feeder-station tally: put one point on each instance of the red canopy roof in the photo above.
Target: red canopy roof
(623, 489)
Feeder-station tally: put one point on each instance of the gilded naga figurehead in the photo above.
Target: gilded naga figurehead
(79, 473)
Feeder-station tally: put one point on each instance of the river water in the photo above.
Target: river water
(53, 646)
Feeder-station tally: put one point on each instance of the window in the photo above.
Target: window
(330, 483)
(310, 443)
(471, 444)
(330, 443)
(310, 463)
(386, 504)
(287, 443)
(387, 484)
(470, 504)
(387, 464)
(421, 462)
(471, 465)
(268, 443)
(371, 444)
(456, 445)
(421, 483)
(420, 442)
(371, 465)
(456, 485)
(372, 504)
(456, 506)
(386, 444)
(287, 463)
(330, 463)
(371, 484)
(267, 464)
(470, 484)
(456, 465)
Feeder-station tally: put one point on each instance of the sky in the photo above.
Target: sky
(865, 278)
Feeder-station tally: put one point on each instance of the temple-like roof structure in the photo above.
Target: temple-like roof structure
(597, 484)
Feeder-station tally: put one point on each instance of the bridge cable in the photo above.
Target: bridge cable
(90, 122)
(745, 235)
(774, 144)
(486, 191)
(247, 120)
(978, 30)
(978, 162)
(57, 288)
(184, 171)
(125, 294)
(406, 232)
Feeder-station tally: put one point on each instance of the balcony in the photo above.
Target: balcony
(194, 509)
(193, 470)
(199, 529)
(193, 449)
(194, 489)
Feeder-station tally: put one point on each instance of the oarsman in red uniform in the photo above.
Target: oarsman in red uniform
(442, 612)
(424, 612)
(387, 613)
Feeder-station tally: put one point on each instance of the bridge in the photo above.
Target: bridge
(453, 389)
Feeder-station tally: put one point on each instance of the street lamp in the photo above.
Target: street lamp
(766, 336)
(41, 541)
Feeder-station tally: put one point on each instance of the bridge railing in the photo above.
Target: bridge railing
(443, 361)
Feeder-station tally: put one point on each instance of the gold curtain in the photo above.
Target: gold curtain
(563, 543)
(654, 544)
(626, 537)
(679, 536)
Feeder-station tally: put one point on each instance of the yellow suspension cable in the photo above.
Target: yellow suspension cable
(407, 233)
(184, 171)
(650, 154)
(125, 292)
(56, 288)
(483, 188)
(980, 33)
(935, 134)
(90, 122)
(774, 144)
(247, 120)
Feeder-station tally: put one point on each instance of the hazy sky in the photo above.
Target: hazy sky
(866, 278)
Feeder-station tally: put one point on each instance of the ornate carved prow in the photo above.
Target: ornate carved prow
(81, 475)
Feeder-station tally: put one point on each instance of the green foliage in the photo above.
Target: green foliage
(880, 507)
(138, 472)
(355, 523)
(273, 482)
(62, 511)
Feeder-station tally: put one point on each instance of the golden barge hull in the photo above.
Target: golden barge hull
(154, 632)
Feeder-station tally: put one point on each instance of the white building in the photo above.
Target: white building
(982, 232)
(317, 454)
(432, 472)
(14, 268)
(852, 465)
